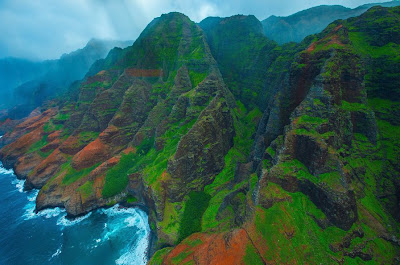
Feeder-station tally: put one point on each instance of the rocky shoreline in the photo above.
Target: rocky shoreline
(152, 238)
(284, 149)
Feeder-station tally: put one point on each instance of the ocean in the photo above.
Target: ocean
(106, 236)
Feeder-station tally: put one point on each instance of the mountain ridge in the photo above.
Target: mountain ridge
(240, 150)
(311, 21)
(30, 90)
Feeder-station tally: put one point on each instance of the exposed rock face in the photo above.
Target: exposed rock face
(23, 137)
(241, 152)
(118, 114)
(200, 152)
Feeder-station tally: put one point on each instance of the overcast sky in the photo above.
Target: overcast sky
(45, 29)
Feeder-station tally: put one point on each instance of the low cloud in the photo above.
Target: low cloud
(46, 29)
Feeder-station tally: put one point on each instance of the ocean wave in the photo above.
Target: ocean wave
(137, 253)
(19, 184)
(47, 213)
(32, 195)
(6, 171)
(58, 252)
(31, 205)
(117, 210)
(63, 221)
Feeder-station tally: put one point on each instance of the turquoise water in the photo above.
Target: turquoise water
(106, 236)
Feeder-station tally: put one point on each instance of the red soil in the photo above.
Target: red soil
(47, 168)
(144, 72)
(331, 38)
(71, 146)
(224, 248)
(91, 154)
(55, 135)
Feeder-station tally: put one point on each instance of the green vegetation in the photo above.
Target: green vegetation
(86, 189)
(50, 127)
(353, 106)
(131, 199)
(73, 175)
(305, 119)
(252, 257)
(38, 145)
(117, 177)
(360, 44)
(287, 229)
(245, 126)
(196, 77)
(179, 258)
(159, 256)
(314, 99)
(194, 209)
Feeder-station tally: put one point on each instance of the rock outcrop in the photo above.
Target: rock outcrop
(240, 150)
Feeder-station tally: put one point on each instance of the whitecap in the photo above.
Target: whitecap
(58, 252)
(117, 210)
(19, 184)
(6, 171)
(63, 221)
(136, 254)
(30, 206)
(115, 224)
(29, 211)
(32, 195)
(132, 221)
(111, 232)
(49, 213)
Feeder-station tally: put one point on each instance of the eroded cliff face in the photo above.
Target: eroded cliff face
(321, 159)
(129, 135)
(311, 177)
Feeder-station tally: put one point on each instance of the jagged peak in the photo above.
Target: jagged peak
(247, 22)
(166, 18)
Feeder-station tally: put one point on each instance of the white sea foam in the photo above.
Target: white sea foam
(32, 195)
(19, 184)
(58, 252)
(117, 210)
(133, 221)
(65, 222)
(113, 228)
(137, 253)
(31, 205)
(49, 213)
(6, 171)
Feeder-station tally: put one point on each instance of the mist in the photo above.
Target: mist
(46, 29)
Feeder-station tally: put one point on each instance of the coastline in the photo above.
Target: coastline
(151, 238)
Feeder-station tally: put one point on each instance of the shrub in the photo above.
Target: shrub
(117, 176)
(191, 220)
